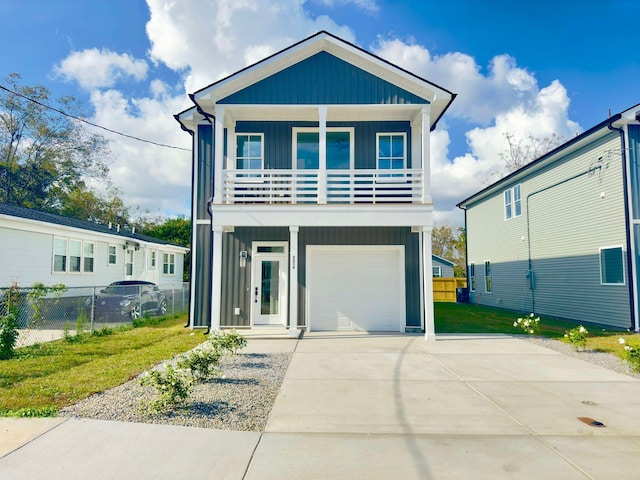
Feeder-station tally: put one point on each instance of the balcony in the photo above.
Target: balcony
(319, 187)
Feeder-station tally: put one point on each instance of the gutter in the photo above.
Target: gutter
(628, 226)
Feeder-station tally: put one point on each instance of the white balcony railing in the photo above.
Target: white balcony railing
(312, 187)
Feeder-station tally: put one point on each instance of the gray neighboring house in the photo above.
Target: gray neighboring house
(561, 236)
(311, 193)
(442, 268)
(52, 249)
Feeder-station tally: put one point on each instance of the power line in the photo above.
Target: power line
(2, 87)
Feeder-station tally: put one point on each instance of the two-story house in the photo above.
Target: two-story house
(311, 193)
(561, 236)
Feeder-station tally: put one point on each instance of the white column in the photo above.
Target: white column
(322, 151)
(218, 157)
(427, 273)
(426, 154)
(293, 281)
(416, 142)
(216, 279)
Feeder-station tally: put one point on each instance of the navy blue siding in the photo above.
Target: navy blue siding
(278, 140)
(323, 79)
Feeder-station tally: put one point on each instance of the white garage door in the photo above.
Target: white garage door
(355, 288)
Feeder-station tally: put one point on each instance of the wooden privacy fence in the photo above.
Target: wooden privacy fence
(444, 289)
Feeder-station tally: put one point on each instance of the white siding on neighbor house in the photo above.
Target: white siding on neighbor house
(26, 257)
(569, 223)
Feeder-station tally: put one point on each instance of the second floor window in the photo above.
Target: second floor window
(250, 151)
(512, 202)
(392, 151)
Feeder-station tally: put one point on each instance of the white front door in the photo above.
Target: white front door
(269, 284)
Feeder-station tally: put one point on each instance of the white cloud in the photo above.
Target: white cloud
(370, 6)
(93, 68)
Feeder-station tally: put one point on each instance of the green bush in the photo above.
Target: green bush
(577, 337)
(172, 387)
(9, 322)
(229, 341)
(631, 355)
(201, 363)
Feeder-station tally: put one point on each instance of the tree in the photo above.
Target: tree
(45, 156)
(174, 230)
(522, 151)
(451, 245)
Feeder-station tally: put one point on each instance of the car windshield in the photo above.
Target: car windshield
(122, 289)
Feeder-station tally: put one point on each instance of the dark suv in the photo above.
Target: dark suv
(129, 299)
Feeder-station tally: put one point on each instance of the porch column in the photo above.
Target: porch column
(293, 281)
(426, 156)
(216, 279)
(218, 157)
(416, 142)
(427, 276)
(322, 152)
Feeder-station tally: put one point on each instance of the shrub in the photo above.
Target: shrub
(529, 325)
(631, 355)
(230, 341)
(172, 387)
(577, 337)
(201, 363)
(9, 322)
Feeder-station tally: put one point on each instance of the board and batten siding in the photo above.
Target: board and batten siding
(278, 140)
(570, 219)
(323, 79)
(236, 281)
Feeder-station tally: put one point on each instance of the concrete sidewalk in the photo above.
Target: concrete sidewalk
(374, 406)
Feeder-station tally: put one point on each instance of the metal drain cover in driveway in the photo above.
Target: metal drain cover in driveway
(591, 422)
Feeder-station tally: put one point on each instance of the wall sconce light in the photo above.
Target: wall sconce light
(243, 258)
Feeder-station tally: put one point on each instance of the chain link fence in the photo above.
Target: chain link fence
(46, 316)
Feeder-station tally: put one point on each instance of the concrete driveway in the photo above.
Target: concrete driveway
(375, 406)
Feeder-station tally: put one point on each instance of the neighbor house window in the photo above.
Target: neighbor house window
(391, 151)
(487, 276)
(437, 272)
(112, 256)
(168, 264)
(611, 266)
(72, 256)
(250, 151)
(88, 257)
(472, 277)
(60, 255)
(152, 259)
(128, 263)
(512, 202)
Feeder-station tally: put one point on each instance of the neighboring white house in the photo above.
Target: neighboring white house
(311, 193)
(52, 249)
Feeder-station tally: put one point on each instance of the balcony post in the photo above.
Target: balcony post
(426, 155)
(322, 152)
(218, 159)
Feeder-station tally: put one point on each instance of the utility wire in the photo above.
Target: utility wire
(2, 87)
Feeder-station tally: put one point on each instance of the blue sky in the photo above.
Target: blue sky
(528, 68)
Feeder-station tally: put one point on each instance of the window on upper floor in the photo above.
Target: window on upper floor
(250, 151)
(512, 202)
(611, 266)
(339, 144)
(472, 277)
(437, 272)
(391, 151)
(72, 256)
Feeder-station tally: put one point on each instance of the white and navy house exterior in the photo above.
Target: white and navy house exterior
(311, 193)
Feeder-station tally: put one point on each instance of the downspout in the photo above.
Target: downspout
(192, 133)
(532, 286)
(628, 226)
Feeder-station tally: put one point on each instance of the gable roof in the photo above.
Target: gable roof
(442, 260)
(597, 131)
(54, 219)
(323, 41)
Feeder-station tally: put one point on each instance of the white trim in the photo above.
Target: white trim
(512, 203)
(67, 270)
(633, 275)
(429, 313)
(404, 149)
(624, 277)
(235, 147)
(400, 249)
(114, 264)
(433, 274)
(293, 280)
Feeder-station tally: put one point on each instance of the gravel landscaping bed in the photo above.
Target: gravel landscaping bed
(240, 399)
(602, 359)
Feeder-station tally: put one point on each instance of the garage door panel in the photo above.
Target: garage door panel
(356, 288)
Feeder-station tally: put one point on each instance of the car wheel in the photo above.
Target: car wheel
(162, 308)
(135, 312)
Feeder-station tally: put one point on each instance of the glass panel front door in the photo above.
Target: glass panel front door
(270, 292)
(269, 284)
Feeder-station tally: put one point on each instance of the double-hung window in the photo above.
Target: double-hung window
(611, 266)
(512, 202)
(487, 276)
(391, 151)
(437, 272)
(472, 277)
(112, 255)
(72, 256)
(168, 264)
(249, 152)
(87, 265)
(60, 255)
